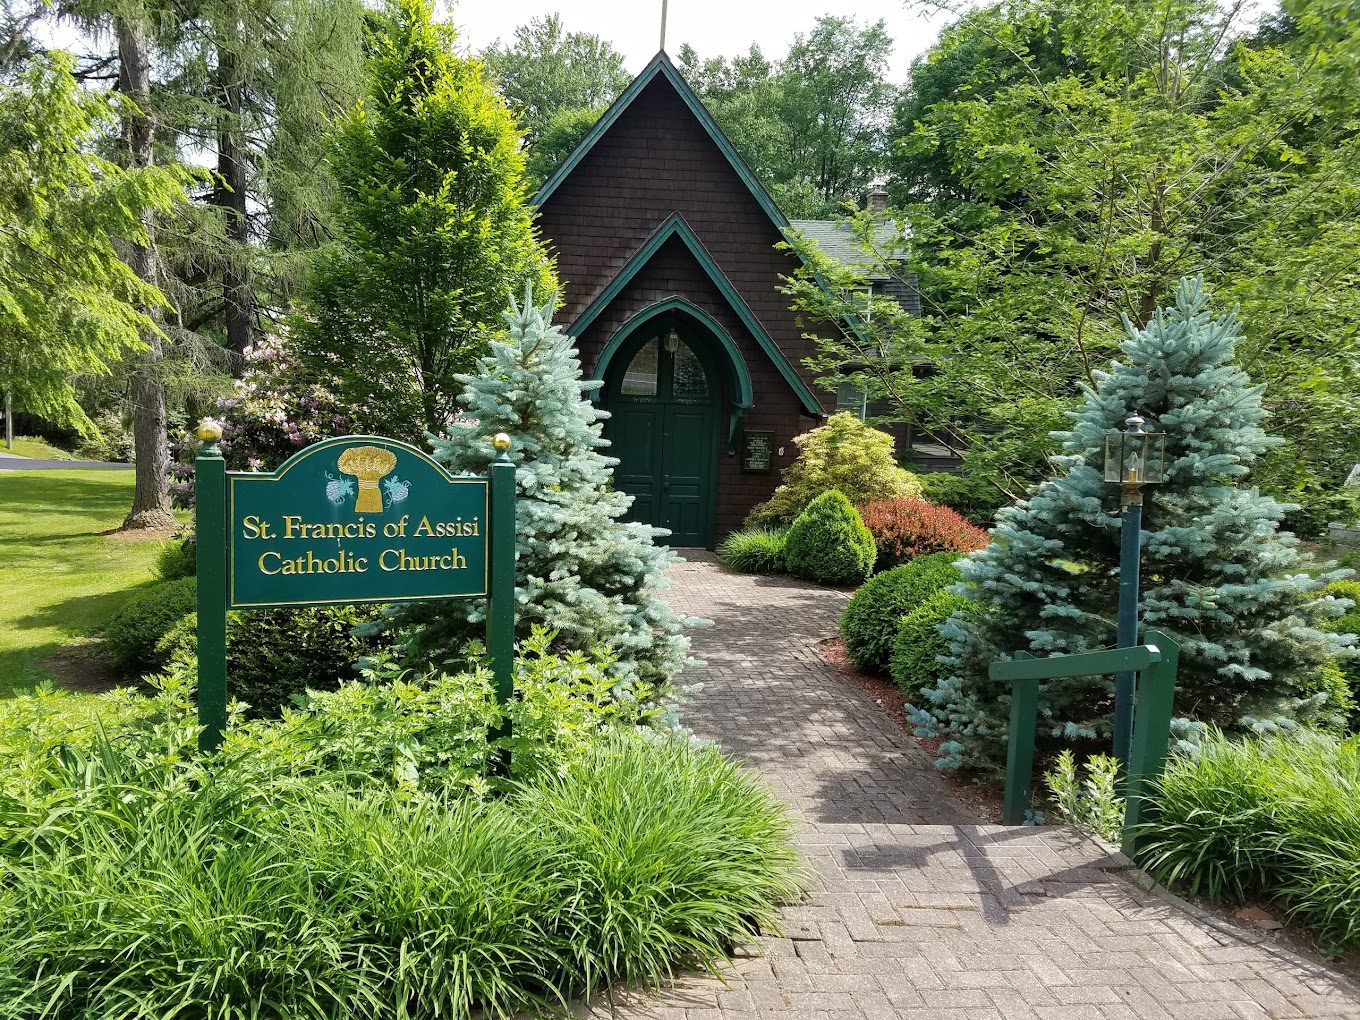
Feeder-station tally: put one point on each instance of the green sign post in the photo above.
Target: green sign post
(354, 519)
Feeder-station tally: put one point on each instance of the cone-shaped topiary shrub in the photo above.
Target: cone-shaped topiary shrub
(829, 542)
(869, 623)
(919, 642)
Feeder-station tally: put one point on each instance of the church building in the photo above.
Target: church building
(665, 248)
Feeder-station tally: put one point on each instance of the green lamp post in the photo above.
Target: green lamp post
(1133, 458)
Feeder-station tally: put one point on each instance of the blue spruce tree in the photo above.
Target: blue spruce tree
(1218, 574)
(580, 570)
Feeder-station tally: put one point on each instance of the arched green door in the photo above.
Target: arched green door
(664, 431)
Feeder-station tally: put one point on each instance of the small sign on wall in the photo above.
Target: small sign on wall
(757, 451)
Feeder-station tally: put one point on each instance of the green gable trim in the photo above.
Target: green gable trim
(661, 65)
(675, 226)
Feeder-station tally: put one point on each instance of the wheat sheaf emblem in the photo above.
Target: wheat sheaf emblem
(367, 464)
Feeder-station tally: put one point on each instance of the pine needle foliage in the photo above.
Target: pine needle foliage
(581, 570)
(1218, 573)
(844, 454)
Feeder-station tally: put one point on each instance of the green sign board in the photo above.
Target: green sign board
(358, 519)
(355, 519)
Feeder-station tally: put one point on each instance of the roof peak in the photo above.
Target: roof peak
(661, 66)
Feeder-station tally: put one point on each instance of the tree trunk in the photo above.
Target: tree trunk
(9, 421)
(151, 501)
(230, 197)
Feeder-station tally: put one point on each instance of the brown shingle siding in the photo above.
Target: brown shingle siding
(658, 160)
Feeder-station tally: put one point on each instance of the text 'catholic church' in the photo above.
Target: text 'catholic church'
(665, 245)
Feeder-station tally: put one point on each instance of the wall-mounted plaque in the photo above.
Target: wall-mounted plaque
(757, 451)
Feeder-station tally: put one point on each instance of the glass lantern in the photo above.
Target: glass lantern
(1134, 457)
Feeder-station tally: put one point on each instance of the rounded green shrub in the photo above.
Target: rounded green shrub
(136, 629)
(918, 644)
(829, 543)
(869, 623)
(276, 655)
(753, 551)
(177, 557)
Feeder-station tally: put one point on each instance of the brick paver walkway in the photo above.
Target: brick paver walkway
(916, 912)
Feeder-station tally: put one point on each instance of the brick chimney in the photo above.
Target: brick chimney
(878, 201)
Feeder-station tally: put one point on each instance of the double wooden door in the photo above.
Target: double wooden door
(663, 430)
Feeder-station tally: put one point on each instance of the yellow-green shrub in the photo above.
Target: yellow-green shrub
(843, 454)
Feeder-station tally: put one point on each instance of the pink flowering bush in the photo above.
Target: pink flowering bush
(278, 407)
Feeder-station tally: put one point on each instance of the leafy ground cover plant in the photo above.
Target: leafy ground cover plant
(906, 528)
(870, 622)
(343, 861)
(754, 550)
(844, 454)
(828, 543)
(1274, 817)
(1092, 803)
(177, 557)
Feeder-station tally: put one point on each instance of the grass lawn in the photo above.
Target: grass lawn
(38, 449)
(61, 579)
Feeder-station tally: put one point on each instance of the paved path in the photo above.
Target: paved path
(916, 912)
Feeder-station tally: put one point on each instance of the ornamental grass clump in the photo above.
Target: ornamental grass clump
(361, 858)
(754, 551)
(1275, 817)
(870, 622)
(828, 543)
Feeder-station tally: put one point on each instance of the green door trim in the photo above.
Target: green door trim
(742, 391)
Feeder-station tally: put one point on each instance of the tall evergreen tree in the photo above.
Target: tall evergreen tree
(433, 230)
(68, 304)
(581, 570)
(1219, 575)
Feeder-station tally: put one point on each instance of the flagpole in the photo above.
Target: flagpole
(663, 25)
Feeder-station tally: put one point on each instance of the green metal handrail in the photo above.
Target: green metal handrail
(1155, 663)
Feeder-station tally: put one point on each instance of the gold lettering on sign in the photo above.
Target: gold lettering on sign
(343, 562)
(398, 559)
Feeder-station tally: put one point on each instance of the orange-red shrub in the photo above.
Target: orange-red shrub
(905, 528)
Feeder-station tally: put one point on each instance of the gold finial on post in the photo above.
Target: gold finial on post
(501, 442)
(209, 430)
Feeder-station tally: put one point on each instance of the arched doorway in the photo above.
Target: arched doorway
(663, 391)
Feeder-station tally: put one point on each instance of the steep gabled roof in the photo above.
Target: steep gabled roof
(662, 67)
(675, 226)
